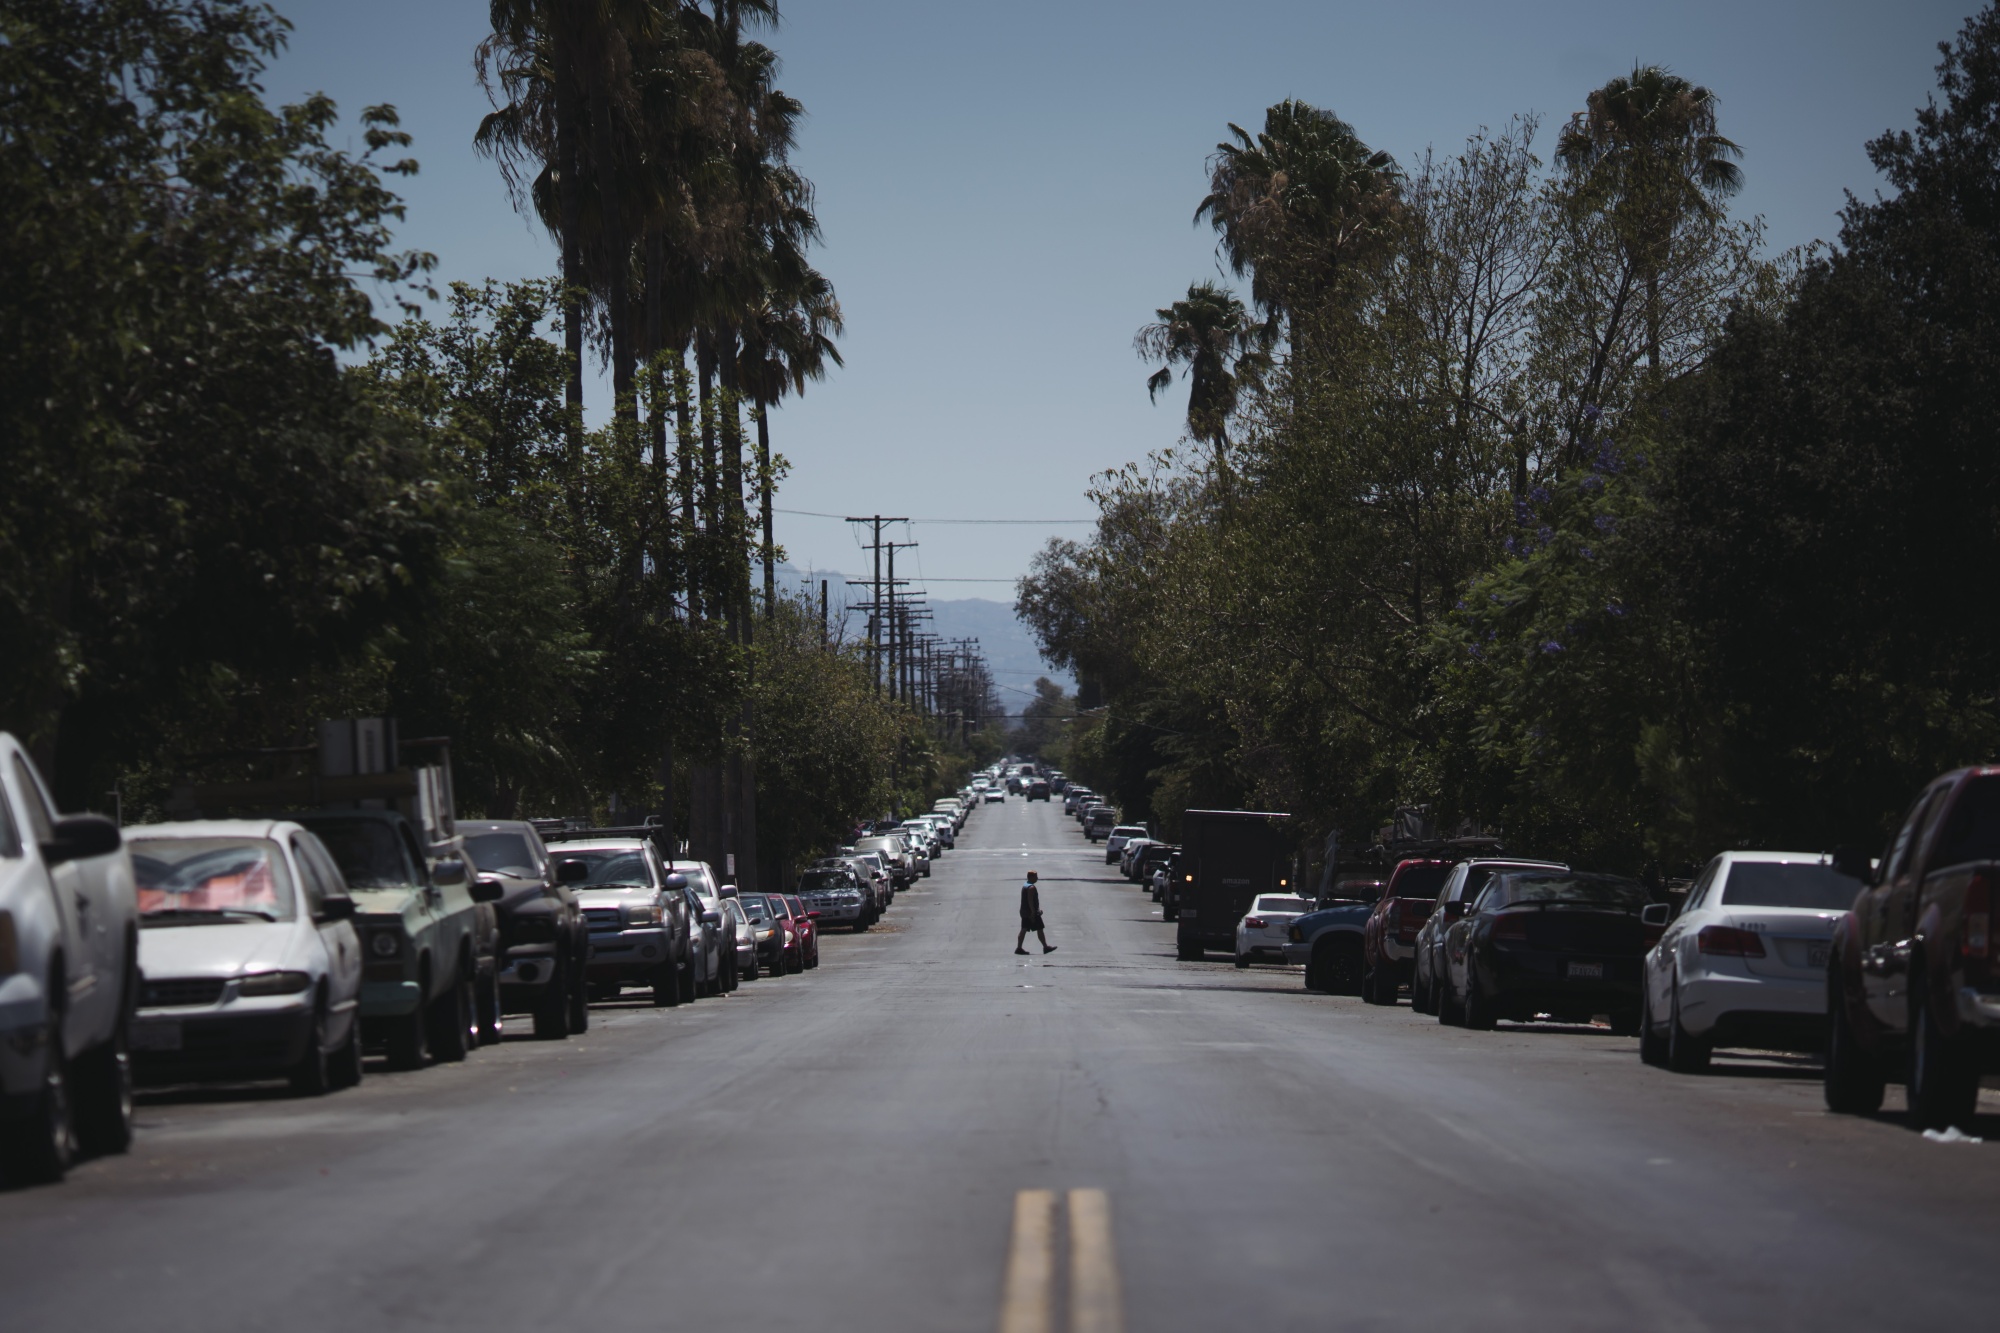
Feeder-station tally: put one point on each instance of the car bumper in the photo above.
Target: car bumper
(845, 914)
(24, 1026)
(529, 969)
(167, 1045)
(390, 999)
(630, 953)
(1718, 1004)
(1522, 984)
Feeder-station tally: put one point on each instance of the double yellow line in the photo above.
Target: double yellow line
(1027, 1305)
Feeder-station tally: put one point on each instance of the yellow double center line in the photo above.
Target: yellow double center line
(1028, 1303)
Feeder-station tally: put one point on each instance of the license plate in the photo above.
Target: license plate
(1816, 954)
(156, 1036)
(1586, 971)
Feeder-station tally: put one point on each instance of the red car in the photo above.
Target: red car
(806, 922)
(1389, 939)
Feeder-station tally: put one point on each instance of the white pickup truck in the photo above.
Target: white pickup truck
(69, 979)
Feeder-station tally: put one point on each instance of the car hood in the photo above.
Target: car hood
(217, 950)
(613, 897)
(1344, 914)
(384, 902)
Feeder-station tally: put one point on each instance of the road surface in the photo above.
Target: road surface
(932, 1133)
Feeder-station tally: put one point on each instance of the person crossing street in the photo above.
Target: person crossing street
(1031, 917)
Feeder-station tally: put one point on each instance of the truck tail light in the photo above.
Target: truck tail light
(1729, 942)
(1978, 919)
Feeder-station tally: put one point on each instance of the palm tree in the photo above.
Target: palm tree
(1224, 351)
(1647, 149)
(1295, 202)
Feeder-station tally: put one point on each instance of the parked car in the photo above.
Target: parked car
(1261, 932)
(996, 795)
(1149, 857)
(251, 961)
(805, 920)
(642, 932)
(770, 928)
(1038, 790)
(1099, 822)
(544, 940)
(835, 892)
(1914, 991)
(703, 884)
(69, 942)
(896, 853)
(1542, 942)
(747, 966)
(1744, 963)
(1073, 798)
(874, 872)
(1464, 884)
(1129, 853)
(1389, 939)
(424, 932)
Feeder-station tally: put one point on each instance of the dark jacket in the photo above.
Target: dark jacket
(1031, 907)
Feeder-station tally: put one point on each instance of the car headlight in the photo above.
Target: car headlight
(642, 914)
(385, 944)
(764, 934)
(273, 983)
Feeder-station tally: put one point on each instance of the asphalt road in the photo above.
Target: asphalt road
(932, 1133)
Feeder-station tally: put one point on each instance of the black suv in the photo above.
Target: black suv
(544, 940)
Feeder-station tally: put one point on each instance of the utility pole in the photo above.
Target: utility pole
(875, 522)
(823, 632)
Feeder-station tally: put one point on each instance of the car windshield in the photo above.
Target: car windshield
(1420, 881)
(754, 906)
(1278, 902)
(1586, 890)
(233, 878)
(610, 868)
(503, 854)
(1789, 884)
(1972, 831)
(819, 881)
(1349, 890)
(368, 852)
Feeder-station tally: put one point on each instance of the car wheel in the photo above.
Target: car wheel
(1854, 1081)
(103, 1083)
(1189, 952)
(1449, 1014)
(347, 1068)
(1686, 1053)
(689, 981)
(451, 1019)
(1417, 990)
(579, 1001)
(312, 1076)
(754, 970)
(1943, 1082)
(666, 986)
(1371, 986)
(1652, 1045)
(41, 1146)
(552, 1007)
(492, 1023)
(1479, 1015)
(861, 926)
(1241, 961)
(795, 963)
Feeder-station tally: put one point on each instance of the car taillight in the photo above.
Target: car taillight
(1978, 919)
(1253, 923)
(1729, 942)
(1514, 928)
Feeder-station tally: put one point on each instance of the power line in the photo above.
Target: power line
(1028, 522)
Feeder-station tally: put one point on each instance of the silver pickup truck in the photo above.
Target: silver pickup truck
(69, 979)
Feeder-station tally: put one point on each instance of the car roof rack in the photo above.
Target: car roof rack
(652, 830)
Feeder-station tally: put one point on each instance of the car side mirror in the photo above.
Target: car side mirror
(80, 837)
(712, 920)
(1455, 911)
(677, 881)
(451, 870)
(1656, 914)
(572, 872)
(813, 915)
(335, 909)
(1855, 863)
(487, 889)
(728, 891)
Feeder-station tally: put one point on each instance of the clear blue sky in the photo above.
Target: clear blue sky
(1006, 191)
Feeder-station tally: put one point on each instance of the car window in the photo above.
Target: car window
(1278, 902)
(34, 802)
(310, 883)
(10, 836)
(1971, 831)
(219, 879)
(504, 853)
(1419, 881)
(329, 873)
(1583, 890)
(1906, 840)
(1699, 892)
(611, 867)
(369, 853)
(1806, 884)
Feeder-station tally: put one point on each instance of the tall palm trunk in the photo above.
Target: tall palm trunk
(569, 185)
(764, 499)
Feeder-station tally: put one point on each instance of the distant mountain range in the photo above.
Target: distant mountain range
(1009, 649)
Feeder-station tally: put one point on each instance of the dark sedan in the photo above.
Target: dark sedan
(1549, 944)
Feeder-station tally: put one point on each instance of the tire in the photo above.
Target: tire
(1241, 961)
(312, 1076)
(1449, 1012)
(1652, 1044)
(666, 986)
(1188, 952)
(551, 1013)
(1371, 984)
(1418, 992)
(795, 963)
(409, 1040)
(40, 1148)
(449, 1020)
(755, 969)
(1340, 969)
(861, 926)
(102, 1096)
(1943, 1082)
(492, 1023)
(578, 1001)
(1686, 1053)
(347, 1067)
(1854, 1081)
(1479, 1015)
(688, 983)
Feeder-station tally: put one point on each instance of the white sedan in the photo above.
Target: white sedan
(251, 965)
(1262, 929)
(1744, 964)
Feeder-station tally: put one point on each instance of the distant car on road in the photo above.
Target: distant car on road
(1464, 884)
(1261, 932)
(995, 795)
(1389, 940)
(1744, 964)
(1099, 823)
(640, 926)
(1038, 790)
(1120, 834)
(1542, 942)
(251, 959)
(836, 893)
